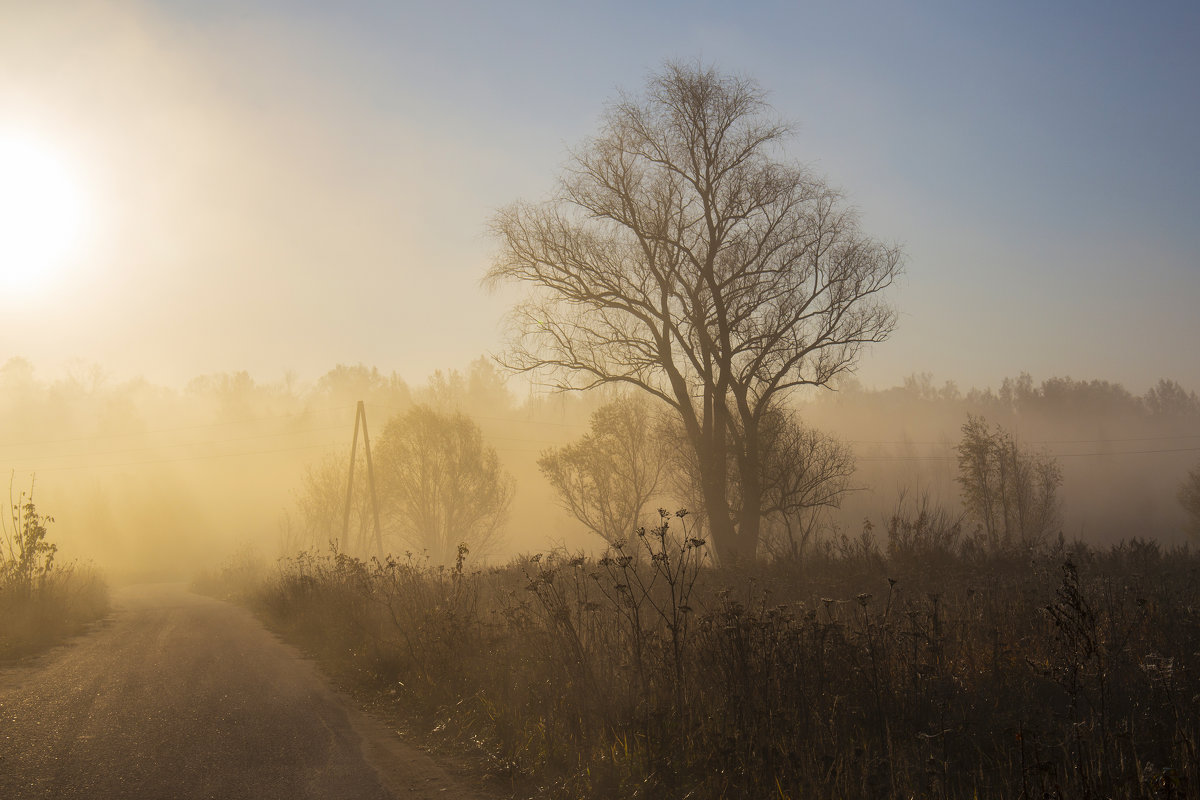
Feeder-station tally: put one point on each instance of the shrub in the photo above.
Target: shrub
(648, 672)
(41, 602)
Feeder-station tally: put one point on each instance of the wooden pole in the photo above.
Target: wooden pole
(371, 481)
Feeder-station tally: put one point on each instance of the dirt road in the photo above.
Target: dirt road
(181, 696)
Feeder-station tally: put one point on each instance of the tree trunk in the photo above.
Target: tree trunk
(750, 516)
(714, 484)
(749, 532)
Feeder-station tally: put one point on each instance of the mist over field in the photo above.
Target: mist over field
(155, 481)
(576, 402)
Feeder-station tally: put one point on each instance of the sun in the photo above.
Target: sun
(41, 214)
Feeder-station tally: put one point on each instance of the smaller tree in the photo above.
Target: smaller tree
(321, 504)
(606, 478)
(1189, 498)
(440, 485)
(804, 473)
(1010, 491)
(26, 555)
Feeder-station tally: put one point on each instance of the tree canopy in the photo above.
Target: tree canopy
(684, 256)
(606, 478)
(440, 484)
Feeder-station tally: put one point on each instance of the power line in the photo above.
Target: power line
(1129, 452)
(1097, 454)
(339, 443)
(945, 443)
(205, 457)
(521, 439)
(576, 425)
(1134, 439)
(100, 436)
(186, 444)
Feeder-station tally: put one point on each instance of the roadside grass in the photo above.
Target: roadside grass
(929, 666)
(42, 602)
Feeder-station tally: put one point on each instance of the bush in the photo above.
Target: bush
(41, 602)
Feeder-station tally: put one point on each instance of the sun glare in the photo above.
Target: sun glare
(41, 214)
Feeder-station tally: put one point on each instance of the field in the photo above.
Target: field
(907, 662)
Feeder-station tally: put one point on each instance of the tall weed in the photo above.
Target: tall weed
(931, 669)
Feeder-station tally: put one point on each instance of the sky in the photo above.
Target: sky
(284, 186)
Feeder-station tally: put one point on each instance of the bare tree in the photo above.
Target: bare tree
(321, 504)
(1010, 491)
(682, 257)
(1189, 498)
(805, 472)
(606, 478)
(440, 485)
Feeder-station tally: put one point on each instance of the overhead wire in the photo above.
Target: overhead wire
(1098, 453)
(203, 443)
(128, 434)
(948, 443)
(204, 457)
(866, 458)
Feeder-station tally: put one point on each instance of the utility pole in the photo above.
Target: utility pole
(360, 419)
(350, 484)
(371, 480)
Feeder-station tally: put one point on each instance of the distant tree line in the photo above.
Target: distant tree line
(628, 459)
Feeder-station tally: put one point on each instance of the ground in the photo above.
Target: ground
(182, 696)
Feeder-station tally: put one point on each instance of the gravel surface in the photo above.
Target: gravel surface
(182, 696)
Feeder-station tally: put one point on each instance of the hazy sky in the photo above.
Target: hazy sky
(287, 185)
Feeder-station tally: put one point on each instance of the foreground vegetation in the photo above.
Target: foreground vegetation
(927, 666)
(41, 602)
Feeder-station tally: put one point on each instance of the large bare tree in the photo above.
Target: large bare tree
(683, 256)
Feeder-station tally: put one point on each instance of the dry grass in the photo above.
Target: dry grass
(41, 602)
(927, 668)
(59, 606)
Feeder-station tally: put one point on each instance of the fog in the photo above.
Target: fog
(153, 481)
(288, 190)
(613, 400)
(1123, 456)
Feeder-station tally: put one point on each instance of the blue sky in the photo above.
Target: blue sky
(290, 185)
